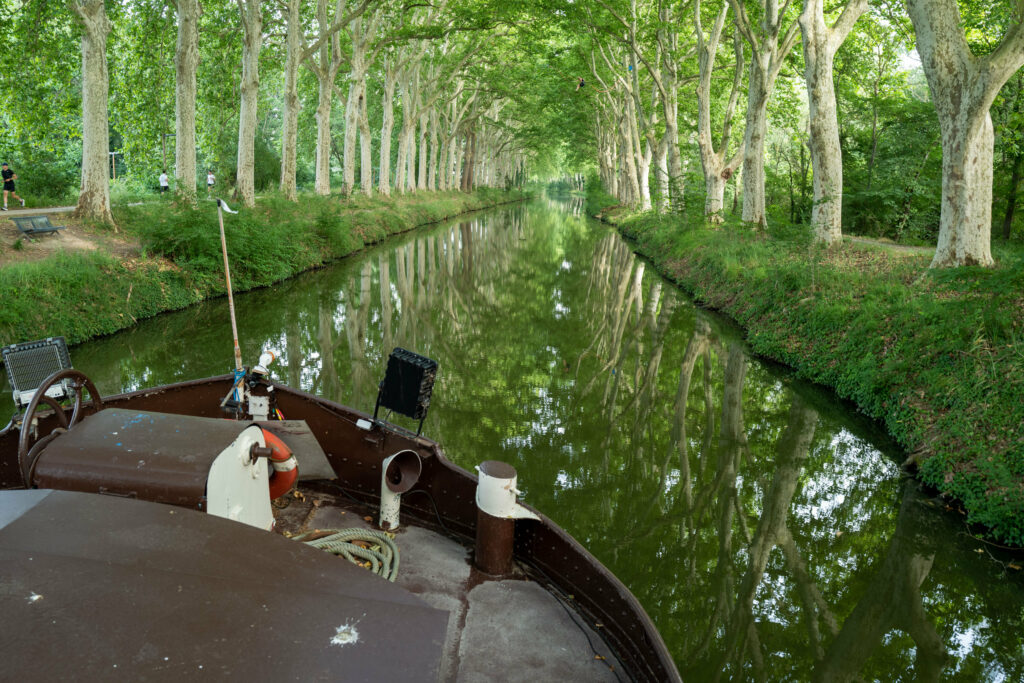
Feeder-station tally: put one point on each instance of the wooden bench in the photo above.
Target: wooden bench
(35, 225)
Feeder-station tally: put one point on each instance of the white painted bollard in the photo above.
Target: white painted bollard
(497, 510)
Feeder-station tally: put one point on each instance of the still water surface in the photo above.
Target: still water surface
(762, 523)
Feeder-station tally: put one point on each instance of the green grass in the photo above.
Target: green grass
(938, 356)
(84, 295)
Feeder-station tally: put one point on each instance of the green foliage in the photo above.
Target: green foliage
(46, 179)
(83, 295)
(597, 199)
(87, 295)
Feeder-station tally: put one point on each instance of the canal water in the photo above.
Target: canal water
(763, 524)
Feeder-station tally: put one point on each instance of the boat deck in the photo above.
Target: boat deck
(511, 629)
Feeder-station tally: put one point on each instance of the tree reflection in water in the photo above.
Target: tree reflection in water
(751, 514)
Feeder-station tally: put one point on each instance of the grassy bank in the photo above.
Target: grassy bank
(938, 356)
(86, 294)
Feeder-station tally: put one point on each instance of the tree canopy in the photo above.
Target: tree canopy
(836, 115)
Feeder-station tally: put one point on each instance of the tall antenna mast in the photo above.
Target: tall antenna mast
(221, 208)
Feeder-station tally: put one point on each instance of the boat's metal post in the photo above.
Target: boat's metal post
(221, 207)
(399, 473)
(497, 512)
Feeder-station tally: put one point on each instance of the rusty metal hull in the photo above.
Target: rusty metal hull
(107, 588)
(542, 548)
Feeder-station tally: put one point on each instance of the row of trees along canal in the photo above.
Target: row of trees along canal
(647, 57)
(488, 88)
(151, 70)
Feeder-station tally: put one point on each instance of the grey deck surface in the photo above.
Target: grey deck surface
(510, 630)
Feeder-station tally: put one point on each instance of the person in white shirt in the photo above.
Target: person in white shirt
(164, 182)
(209, 182)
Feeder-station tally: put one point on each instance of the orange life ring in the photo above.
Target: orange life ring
(285, 470)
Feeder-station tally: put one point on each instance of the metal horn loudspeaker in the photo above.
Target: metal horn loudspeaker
(399, 473)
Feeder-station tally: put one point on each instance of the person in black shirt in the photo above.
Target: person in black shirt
(9, 178)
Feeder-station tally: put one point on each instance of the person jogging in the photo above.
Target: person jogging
(164, 182)
(9, 177)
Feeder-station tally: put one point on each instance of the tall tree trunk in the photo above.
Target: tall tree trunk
(629, 152)
(290, 122)
(769, 50)
(387, 126)
(252, 41)
(351, 129)
(326, 70)
(643, 159)
(467, 166)
(820, 45)
(717, 169)
(400, 161)
(714, 196)
(758, 92)
(322, 184)
(432, 180)
(444, 164)
(963, 87)
(410, 157)
(965, 220)
(365, 146)
(661, 174)
(186, 61)
(670, 108)
(421, 181)
(94, 194)
(458, 154)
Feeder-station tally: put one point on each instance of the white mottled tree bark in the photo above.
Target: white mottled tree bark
(421, 177)
(669, 40)
(769, 50)
(406, 179)
(94, 194)
(717, 169)
(820, 46)
(252, 41)
(387, 125)
(186, 61)
(432, 180)
(361, 31)
(365, 147)
(963, 87)
(348, 167)
(326, 70)
(641, 122)
(290, 118)
(324, 59)
(632, 185)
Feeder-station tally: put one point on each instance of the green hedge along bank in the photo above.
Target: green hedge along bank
(86, 294)
(937, 355)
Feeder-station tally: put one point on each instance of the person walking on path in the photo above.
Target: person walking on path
(164, 183)
(209, 182)
(9, 178)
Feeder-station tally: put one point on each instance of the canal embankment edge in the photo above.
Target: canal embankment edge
(168, 256)
(936, 356)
